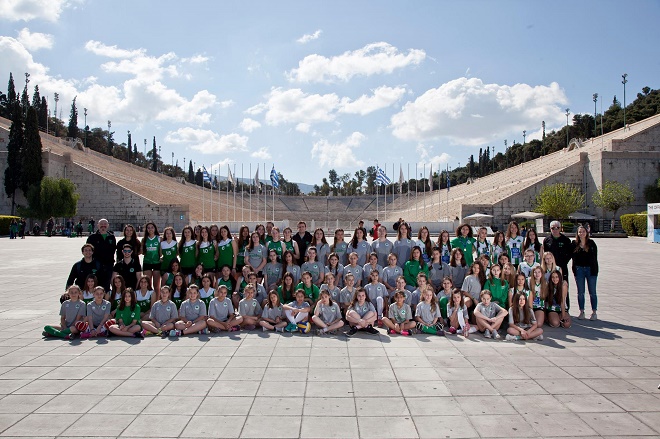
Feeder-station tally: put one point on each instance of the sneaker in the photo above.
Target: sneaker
(249, 327)
(68, 337)
(452, 330)
(539, 337)
(405, 333)
(581, 316)
(290, 327)
(320, 332)
(439, 331)
(380, 323)
(205, 331)
(487, 333)
(175, 333)
(352, 331)
(392, 331)
(86, 335)
(593, 316)
(371, 330)
(496, 335)
(466, 330)
(235, 328)
(510, 337)
(45, 334)
(139, 334)
(419, 326)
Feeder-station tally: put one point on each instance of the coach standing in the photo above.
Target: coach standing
(561, 248)
(105, 246)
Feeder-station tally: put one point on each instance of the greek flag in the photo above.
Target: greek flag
(273, 178)
(381, 178)
(205, 174)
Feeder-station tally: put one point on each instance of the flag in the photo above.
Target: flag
(400, 179)
(257, 183)
(431, 177)
(274, 179)
(205, 175)
(448, 180)
(381, 177)
(230, 177)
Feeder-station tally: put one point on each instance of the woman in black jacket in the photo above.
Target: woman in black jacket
(585, 267)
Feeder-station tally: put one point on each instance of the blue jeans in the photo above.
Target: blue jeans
(582, 274)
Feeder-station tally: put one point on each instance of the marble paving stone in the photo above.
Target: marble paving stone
(651, 419)
(23, 403)
(128, 403)
(95, 424)
(158, 426)
(445, 426)
(42, 425)
(282, 388)
(181, 405)
(277, 406)
(322, 427)
(616, 424)
(592, 404)
(502, 426)
(483, 405)
(559, 424)
(225, 405)
(329, 407)
(69, 404)
(381, 407)
(259, 427)
(411, 389)
(217, 426)
(337, 390)
(391, 427)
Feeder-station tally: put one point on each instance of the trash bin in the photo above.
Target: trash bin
(656, 235)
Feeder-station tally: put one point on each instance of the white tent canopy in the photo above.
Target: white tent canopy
(527, 215)
(477, 216)
(581, 216)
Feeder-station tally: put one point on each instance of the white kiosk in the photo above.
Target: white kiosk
(653, 222)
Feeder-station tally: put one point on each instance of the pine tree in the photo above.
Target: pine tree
(11, 95)
(191, 174)
(14, 148)
(73, 130)
(32, 168)
(154, 157)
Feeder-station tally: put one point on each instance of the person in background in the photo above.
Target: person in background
(303, 238)
(561, 248)
(375, 229)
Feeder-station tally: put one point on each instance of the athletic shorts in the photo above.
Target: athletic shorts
(153, 267)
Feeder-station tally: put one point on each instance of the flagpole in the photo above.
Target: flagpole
(416, 191)
(203, 204)
(265, 193)
(424, 196)
(251, 192)
(211, 197)
(448, 181)
(385, 209)
(228, 172)
(242, 198)
(377, 191)
(439, 186)
(408, 192)
(234, 189)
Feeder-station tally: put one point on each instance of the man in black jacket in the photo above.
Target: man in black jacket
(84, 267)
(105, 246)
(561, 248)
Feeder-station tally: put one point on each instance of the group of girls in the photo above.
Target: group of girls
(409, 285)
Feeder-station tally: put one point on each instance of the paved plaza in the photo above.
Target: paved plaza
(597, 379)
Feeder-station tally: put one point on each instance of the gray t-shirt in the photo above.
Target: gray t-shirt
(273, 271)
(362, 310)
(98, 312)
(192, 310)
(437, 272)
(472, 285)
(334, 293)
(329, 313)
(489, 311)
(402, 249)
(383, 250)
(346, 295)
(450, 311)
(315, 268)
(338, 272)
(399, 315)
(355, 271)
(72, 310)
(458, 275)
(366, 272)
(256, 256)
(272, 313)
(250, 307)
(377, 290)
(220, 310)
(322, 252)
(521, 313)
(341, 250)
(424, 312)
(162, 312)
(363, 248)
(295, 271)
(390, 274)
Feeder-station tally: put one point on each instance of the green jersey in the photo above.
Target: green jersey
(277, 246)
(188, 258)
(227, 283)
(207, 255)
(169, 252)
(466, 244)
(151, 255)
(311, 292)
(126, 316)
(144, 299)
(226, 253)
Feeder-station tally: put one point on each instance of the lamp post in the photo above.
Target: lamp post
(595, 96)
(624, 76)
(172, 160)
(85, 112)
(109, 144)
(145, 149)
(493, 159)
(568, 111)
(506, 153)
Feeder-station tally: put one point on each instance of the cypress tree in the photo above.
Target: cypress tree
(191, 174)
(128, 148)
(32, 168)
(135, 153)
(154, 157)
(25, 98)
(14, 148)
(11, 94)
(73, 130)
(43, 113)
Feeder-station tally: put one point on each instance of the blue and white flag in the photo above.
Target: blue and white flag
(274, 179)
(381, 177)
(205, 175)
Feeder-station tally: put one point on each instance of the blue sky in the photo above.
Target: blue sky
(310, 86)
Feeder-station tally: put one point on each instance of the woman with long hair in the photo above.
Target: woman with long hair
(585, 268)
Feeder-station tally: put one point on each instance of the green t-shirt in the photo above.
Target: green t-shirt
(127, 316)
(311, 292)
(151, 255)
(467, 245)
(226, 253)
(207, 257)
(188, 258)
(499, 291)
(168, 255)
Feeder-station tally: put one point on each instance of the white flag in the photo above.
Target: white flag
(230, 177)
(431, 177)
(257, 183)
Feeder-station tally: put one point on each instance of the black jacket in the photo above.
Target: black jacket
(104, 249)
(583, 258)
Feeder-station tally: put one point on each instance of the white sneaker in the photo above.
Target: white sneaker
(539, 337)
(487, 333)
(496, 335)
(581, 316)
(594, 316)
(510, 337)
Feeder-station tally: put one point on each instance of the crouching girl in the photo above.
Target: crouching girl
(327, 314)
(163, 314)
(72, 311)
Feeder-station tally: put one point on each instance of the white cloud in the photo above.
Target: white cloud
(227, 104)
(303, 127)
(425, 157)
(467, 111)
(26, 10)
(338, 155)
(248, 125)
(207, 141)
(261, 153)
(309, 37)
(295, 106)
(98, 48)
(383, 97)
(372, 59)
(35, 40)
(196, 59)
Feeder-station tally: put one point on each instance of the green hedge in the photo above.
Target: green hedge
(634, 224)
(5, 220)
